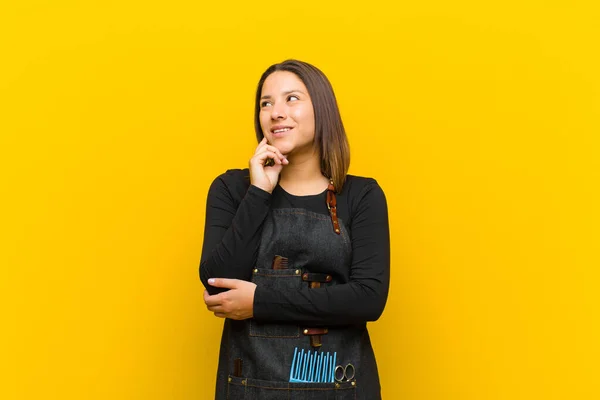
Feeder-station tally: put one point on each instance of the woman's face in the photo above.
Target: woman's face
(286, 114)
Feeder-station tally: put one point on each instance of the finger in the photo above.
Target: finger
(213, 300)
(262, 157)
(261, 145)
(217, 308)
(220, 315)
(273, 156)
(275, 150)
(265, 145)
(223, 283)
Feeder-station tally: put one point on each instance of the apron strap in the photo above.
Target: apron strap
(332, 206)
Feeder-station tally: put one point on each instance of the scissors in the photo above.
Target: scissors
(344, 374)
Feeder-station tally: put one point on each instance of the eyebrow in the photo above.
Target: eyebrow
(284, 93)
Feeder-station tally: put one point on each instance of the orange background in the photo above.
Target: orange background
(479, 120)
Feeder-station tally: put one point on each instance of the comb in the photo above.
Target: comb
(280, 262)
(317, 367)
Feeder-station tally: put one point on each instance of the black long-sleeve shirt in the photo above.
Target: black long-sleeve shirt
(235, 213)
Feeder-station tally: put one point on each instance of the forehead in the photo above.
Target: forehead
(282, 81)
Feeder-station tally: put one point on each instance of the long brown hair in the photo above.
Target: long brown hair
(330, 135)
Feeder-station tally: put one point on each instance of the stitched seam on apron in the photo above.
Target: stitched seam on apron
(299, 389)
(276, 337)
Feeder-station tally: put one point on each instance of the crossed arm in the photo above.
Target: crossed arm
(231, 242)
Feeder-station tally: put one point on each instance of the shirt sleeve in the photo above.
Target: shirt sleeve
(231, 232)
(360, 300)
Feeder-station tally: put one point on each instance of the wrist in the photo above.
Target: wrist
(267, 191)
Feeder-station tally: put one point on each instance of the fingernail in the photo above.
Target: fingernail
(211, 281)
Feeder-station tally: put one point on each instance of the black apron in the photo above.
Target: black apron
(266, 350)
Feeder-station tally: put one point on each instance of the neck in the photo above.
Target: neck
(303, 175)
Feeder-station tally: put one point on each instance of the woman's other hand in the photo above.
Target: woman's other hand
(236, 303)
(261, 175)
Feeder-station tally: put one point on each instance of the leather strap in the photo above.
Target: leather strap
(315, 331)
(237, 367)
(332, 206)
(315, 335)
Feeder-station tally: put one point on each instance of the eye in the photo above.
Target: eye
(292, 97)
(265, 103)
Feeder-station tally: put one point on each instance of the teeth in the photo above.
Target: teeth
(281, 130)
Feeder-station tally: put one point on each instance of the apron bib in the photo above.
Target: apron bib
(266, 349)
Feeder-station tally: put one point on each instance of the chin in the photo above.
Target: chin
(286, 151)
(284, 148)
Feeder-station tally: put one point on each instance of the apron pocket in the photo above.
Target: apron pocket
(280, 280)
(236, 388)
(256, 389)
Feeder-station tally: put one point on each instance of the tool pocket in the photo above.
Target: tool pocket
(280, 280)
(255, 389)
(236, 388)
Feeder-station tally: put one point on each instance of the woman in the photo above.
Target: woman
(296, 252)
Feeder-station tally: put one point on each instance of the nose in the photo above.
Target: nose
(278, 112)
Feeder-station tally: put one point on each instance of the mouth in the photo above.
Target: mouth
(279, 131)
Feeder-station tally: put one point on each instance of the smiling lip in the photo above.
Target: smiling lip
(279, 130)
